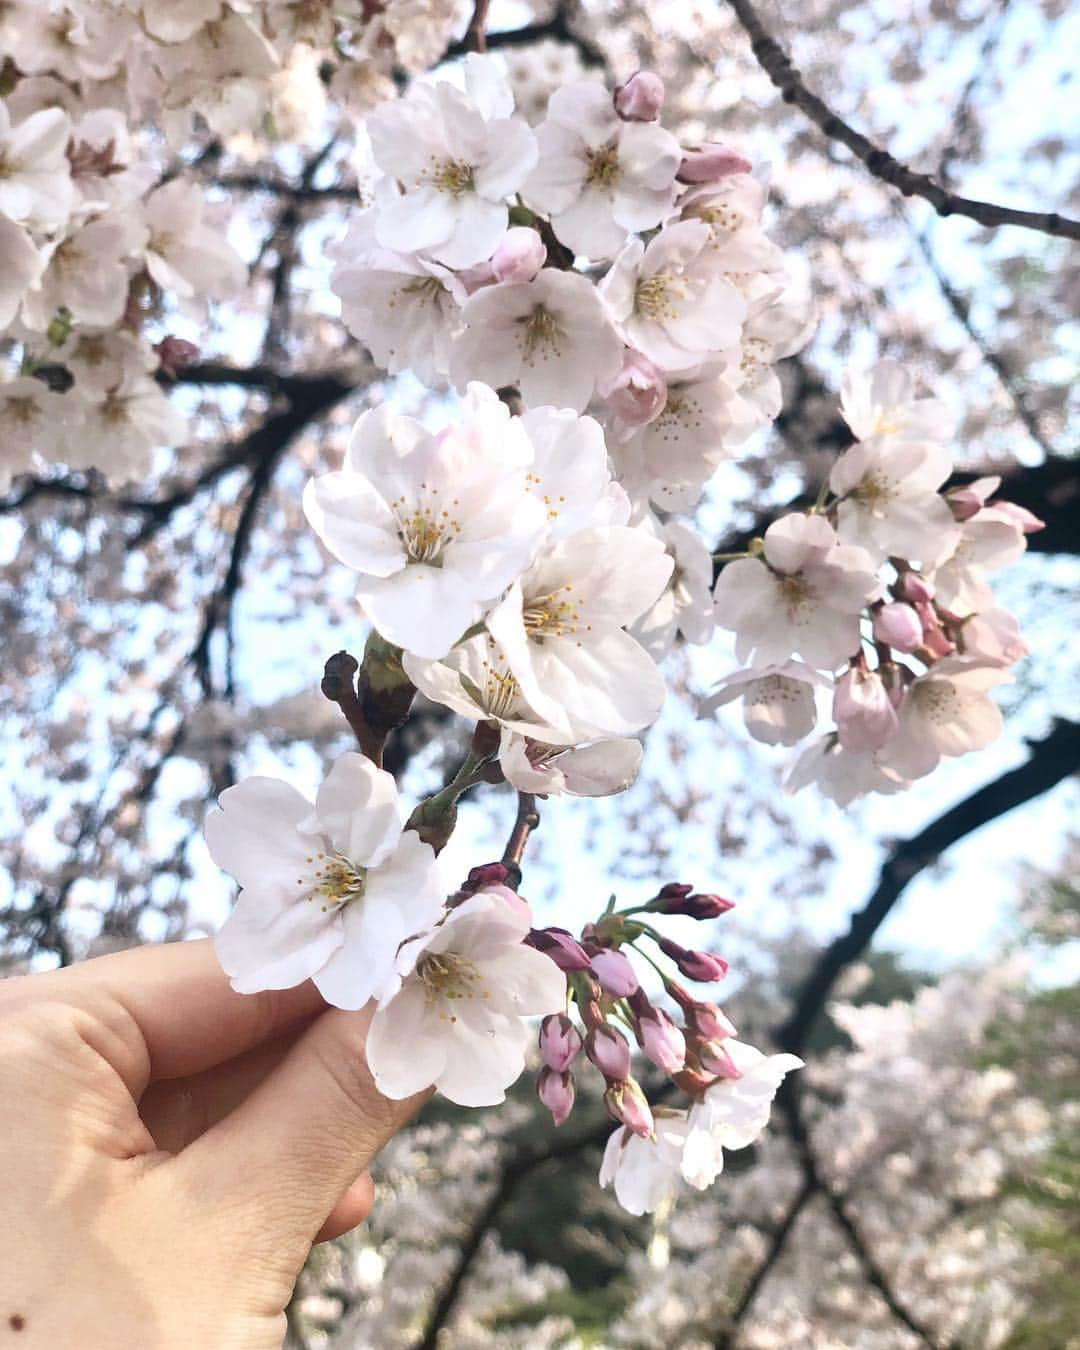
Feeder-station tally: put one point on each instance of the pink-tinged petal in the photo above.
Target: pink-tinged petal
(405, 1049)
(422, 609)
(602, 769)
(269, 944)
(354, 522)
(608, 687)
(357, 806)
(528, 983)
(483, 1059)
(254, 835)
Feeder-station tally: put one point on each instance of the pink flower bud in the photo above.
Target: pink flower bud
(915, 588)
(614, 972)
(520, 255)
(710, 162)
(674, 890)
(556, 1091)
(662, 1041)
(638, 392)
(174, 354)
(704, 1018)
(897, 625)
(966, 501)
(697, 906)
(560, 1041)
(564, 949)
(487, 874)
(1021, 517)
(865, 716)
(715, 1059)
(626, 1103)
(640, 98)
(609, 1050)
(475, 278)
(701, 967)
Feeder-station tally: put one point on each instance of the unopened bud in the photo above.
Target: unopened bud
(710, 162)
(715, 1059)
(638, 392)
(709, 1022)
(662, 1041)
(701, 967)
(560, 1041)
(174, 354)
(914, 588)
(935, 641)
(520, 255)
(674, 890)
(614, 971)
(969, 500)
(626, 1103)
(487, 874)
(561, 946)
(640, 98)
(609, 1050)
(864, 714)
(556, 1091)
(696, 906)
(897, 625)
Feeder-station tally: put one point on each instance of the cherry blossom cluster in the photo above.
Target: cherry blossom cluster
(880, 594)
(101, 237)
(340, 892)
(730, 1084)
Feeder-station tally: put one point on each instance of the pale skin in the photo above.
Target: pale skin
(171, 1151)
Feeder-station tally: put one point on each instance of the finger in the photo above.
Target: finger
(180, 999)
(177, 1111)
(352, 1209)
(287, 1154)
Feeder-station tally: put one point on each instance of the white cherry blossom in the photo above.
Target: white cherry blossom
(87, 273)
(882, 402)
(570, 476)
(645, 1172)
(549, 337)
(404, 308)
(457, 157)
(946, 712)
(598, 177)
(779, 704)
(121, 427)
(35, 176)
(328, 892)
(561, 629)
(32, 422)
(733, 1112)
(988, 540)
(671, 300)
(889, 503)
(686, 604)
(803, 596)
(842, 775)
(185, 255)
(23, 265)
(457, 1020)
(435, 525)
(597, 770)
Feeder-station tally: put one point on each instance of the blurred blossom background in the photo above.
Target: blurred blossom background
(162, 641)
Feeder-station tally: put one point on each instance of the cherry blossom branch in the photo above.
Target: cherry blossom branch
(338, 685)
(476, 34)
(557, 27)
(528, 819)
(788, 79)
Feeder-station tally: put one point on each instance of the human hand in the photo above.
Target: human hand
(172, 1149)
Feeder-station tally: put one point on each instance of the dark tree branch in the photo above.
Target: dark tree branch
(475, 38)
(1051, 760)
(775, 63)
(528, 819)
(557, 27)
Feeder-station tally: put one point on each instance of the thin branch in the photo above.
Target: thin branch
(528, 819)
(476, 34)
(775, 63)
(557, 28)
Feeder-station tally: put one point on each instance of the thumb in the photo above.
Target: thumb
(288, 1153)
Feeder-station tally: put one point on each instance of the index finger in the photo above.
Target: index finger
(180, 999)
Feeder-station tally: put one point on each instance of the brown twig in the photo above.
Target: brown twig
(528, 819)
(787, 78)
(476, 33)
(338, 684)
